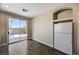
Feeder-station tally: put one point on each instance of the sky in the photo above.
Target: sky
(15, 23)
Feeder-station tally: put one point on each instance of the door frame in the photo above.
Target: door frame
(8, 27)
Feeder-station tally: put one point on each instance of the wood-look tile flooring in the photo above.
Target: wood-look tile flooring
(28, 47)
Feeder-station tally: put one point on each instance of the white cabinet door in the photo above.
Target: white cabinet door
(63, 37)
(63, 42)
(65, 27)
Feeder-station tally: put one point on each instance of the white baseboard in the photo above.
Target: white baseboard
(43, 43)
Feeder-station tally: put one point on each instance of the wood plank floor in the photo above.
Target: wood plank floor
(28, 47)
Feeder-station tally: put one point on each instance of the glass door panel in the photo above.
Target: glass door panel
(14, 25)
(17, 30)
(22, 30)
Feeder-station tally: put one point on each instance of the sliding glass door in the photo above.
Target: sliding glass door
(23, 30)
(17, 30)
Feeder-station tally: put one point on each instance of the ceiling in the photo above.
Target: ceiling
(34, 9)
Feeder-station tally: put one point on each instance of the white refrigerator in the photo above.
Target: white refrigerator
(63, 37)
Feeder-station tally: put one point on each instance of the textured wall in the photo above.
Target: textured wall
(43, 29)
(3, 28)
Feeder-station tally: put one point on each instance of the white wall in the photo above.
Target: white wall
(43, 28)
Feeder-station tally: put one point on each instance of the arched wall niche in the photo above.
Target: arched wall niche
(62, 13)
